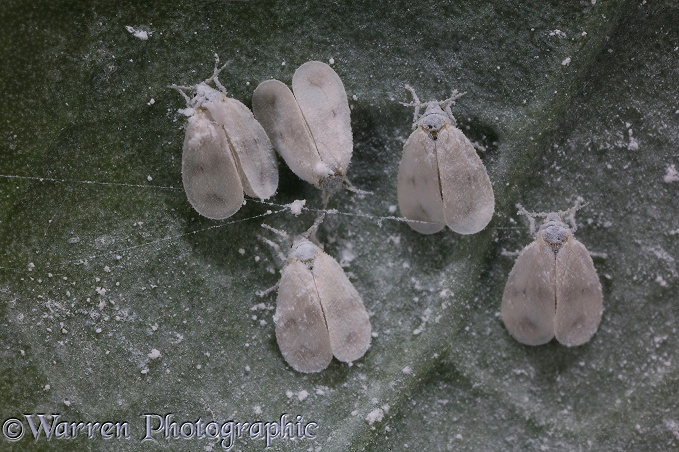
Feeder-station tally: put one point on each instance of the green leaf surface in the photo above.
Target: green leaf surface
(103, 260)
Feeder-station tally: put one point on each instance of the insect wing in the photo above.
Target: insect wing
(468, 199)
(345, 314)
(211, 180)
(323, 100)
(254, 154)
(300, 326)
(418, 188)
(579, 300)
(278, 112)
(529, 296)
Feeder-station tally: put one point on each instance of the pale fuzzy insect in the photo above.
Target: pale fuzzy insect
(441, 179)
(553, 289)
(319, 313)
(311, 129)
(226, 151)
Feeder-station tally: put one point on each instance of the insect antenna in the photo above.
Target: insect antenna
(531, 217)
(568, 215)
(415, 103)
(275, 246)
(216, 71)
(311, 232)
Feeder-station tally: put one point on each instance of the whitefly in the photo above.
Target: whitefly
(553, 290)
(310, 129)
(319, 313)
(226, 151)
(441, 179)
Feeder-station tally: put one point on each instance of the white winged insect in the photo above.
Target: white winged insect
(319, 313)
(311, 129)
(441, 179)
(553, 289)
(226, 151)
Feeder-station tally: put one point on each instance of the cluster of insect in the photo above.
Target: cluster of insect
(553, 289)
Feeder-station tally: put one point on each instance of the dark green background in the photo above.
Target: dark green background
(76, 88)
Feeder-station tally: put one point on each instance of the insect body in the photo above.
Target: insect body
(319, 313)
(226, 152)
(311, 129)
(553, 289)
(441, 179)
